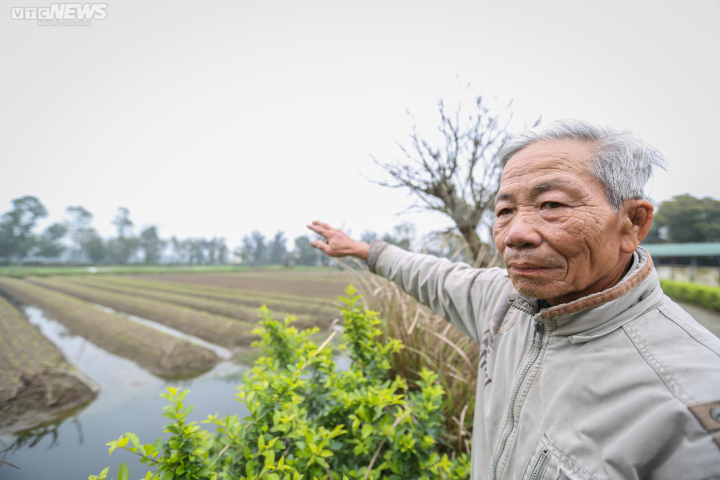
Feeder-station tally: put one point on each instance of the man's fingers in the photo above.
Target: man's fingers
(322, 224)
(320, 245)
(317, 229)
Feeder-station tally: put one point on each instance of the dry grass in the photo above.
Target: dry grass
(430, 342)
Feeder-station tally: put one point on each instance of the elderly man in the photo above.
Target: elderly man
(587, 370)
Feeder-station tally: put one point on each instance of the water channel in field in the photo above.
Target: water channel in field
(73, 448)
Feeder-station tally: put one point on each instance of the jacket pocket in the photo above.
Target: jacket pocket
(549, 463)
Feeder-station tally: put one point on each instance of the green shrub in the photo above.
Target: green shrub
(308, 420)
(703, 295)
(429, 342)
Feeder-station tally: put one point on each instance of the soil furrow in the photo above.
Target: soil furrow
(223, 331)
(36, 383)
(162, 354)
(216, 306)
(262, 283)
(225, 293)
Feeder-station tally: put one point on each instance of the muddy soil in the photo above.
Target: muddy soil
(220, 330)
(36, 382)
(278, 302)
(306, 283)
(218, 307)
(164, 355)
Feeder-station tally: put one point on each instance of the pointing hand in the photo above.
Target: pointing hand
(337, 243)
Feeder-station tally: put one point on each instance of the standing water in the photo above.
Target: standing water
(73, 448)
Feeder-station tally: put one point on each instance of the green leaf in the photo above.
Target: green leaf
(133, 438)
(157, 444)
(250, 468)
(270, 459)
(123, 472)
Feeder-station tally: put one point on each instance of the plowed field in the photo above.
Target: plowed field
(162, 354)
(307, 284)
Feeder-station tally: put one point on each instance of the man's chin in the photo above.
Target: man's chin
(540, 292)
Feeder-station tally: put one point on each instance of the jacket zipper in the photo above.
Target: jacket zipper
(537, 343)
(538, 467)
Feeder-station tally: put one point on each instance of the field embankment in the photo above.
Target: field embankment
(217, 329)
(161, 354)
(36, 383)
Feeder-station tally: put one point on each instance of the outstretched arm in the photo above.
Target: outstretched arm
(337, 243)
(463, 295)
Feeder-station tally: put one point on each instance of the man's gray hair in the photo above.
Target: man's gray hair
(622, 161)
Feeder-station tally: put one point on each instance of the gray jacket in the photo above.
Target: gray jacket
(619, 384)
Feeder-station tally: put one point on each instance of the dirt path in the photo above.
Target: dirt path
(36, 383)
(706, 318)
(162, 354)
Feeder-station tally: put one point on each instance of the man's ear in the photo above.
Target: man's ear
(637, 219)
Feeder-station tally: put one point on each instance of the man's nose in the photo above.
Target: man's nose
(521, 233)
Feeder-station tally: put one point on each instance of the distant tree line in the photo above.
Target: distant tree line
(76, 241)
(256, 249)
(684, 219)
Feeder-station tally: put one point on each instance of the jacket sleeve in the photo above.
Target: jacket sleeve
(464, 296)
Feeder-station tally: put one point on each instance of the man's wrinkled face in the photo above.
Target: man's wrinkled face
(554, 227)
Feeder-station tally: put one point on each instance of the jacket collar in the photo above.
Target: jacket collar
(598, 314)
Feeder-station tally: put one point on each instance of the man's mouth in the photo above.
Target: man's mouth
(525, 267)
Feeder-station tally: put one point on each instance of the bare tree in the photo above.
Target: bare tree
(459, 177)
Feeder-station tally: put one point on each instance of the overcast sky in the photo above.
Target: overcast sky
(218, 118)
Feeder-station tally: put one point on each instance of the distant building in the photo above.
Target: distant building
(687, 262)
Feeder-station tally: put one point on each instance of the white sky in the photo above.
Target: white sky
(218, 118)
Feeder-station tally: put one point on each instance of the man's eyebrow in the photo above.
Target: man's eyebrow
(537, 189)
(550, 185)
(505, 196)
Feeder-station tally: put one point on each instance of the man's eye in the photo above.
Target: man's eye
(551, 205)
(504, 211)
